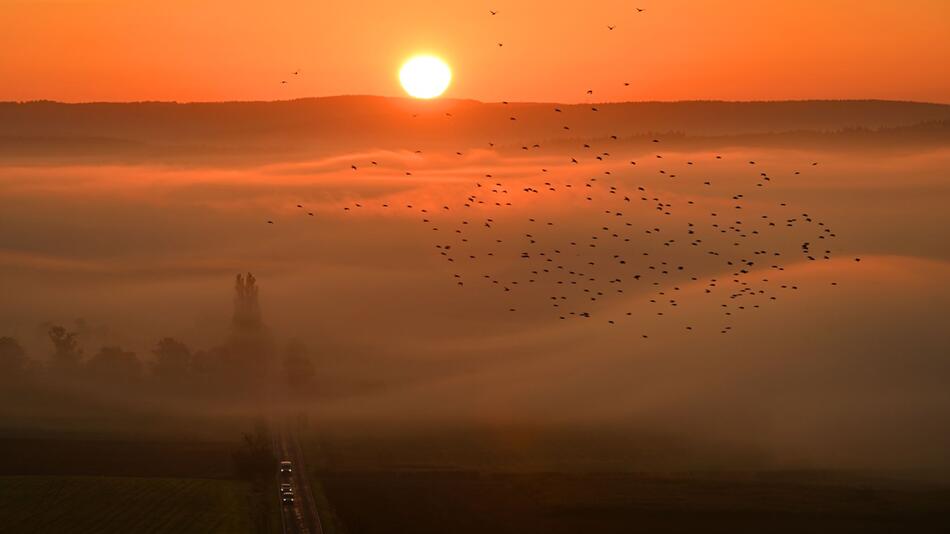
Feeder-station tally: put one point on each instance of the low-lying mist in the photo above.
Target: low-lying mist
(119, 297)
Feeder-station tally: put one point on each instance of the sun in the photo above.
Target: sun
(425, 76)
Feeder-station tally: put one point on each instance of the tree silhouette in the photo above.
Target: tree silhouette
(67, 355)
(249, 348)
(247, 310)
(255, 459)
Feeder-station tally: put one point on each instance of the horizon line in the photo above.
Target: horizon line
(472, 100)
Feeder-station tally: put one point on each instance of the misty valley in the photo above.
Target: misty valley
(455, 316)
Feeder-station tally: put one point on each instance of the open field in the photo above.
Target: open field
(123, 504)
(114, 482)
(464, 501)
(115, 457)
(495, 480)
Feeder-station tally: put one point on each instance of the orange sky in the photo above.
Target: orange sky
(554, 50)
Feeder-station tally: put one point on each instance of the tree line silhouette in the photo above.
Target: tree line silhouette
(246, 365)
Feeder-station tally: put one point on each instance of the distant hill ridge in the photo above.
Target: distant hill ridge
(330, 124)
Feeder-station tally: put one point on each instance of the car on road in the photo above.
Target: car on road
(286, 489)
(286, 467)
(287, 498)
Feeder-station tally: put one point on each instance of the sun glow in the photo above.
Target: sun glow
(425, 76)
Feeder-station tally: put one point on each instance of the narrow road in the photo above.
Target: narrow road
(302, 517)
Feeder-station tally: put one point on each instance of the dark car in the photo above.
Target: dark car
(286, 468)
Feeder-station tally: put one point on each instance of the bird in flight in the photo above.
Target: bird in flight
(547, 267)
(493, 12)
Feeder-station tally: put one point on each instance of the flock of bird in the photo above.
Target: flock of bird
(577, 242)
(599, 235)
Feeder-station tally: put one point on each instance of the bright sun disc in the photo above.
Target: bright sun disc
(425, 76)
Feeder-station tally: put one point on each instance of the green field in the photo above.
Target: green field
(84, 504)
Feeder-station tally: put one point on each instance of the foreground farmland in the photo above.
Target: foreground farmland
(463, 502)
(558, 481)
(118, 482)
(123, 504)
